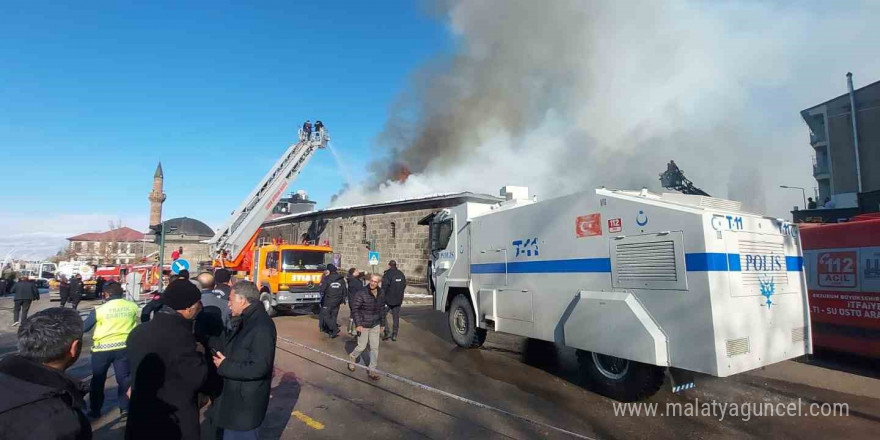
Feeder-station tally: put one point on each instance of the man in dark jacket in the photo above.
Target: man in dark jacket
(23, 293)
(354, 282)
(99, 287)
(76, 290)
(307, 129)
(393, 284)
(38, 400)
(151, 307)
(166, 370)
(64, 290)
(366, 309)
(245, 364)
(210, 330)
(223, 282)
(333, 292)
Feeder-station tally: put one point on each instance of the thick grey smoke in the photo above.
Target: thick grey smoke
(567, 95)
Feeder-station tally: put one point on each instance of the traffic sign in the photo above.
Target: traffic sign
(179, 265)
(373, 257)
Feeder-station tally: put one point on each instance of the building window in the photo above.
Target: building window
(364, 231)
(127, 249)
(339, 236)
(393, 230)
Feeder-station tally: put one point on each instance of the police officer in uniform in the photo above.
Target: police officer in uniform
(333, 291)
(394, 285)
(112, 321)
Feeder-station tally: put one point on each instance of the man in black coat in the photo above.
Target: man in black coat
(23, 293)
(64, 290)
(393, 284)
(333, 292)
(245, 364)
(76, 290)
(223, 282)
(38, 400)
(166, 369)
(354, 282)
(366, 308)
(307, 129)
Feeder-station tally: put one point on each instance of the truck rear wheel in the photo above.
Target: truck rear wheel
(463, 324)
(620, 379)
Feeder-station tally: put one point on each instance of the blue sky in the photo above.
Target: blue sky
(94, 95)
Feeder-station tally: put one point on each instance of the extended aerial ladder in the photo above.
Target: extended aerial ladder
(673, 178)
(232, 244)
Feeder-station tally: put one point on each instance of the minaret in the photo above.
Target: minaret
(156, 197)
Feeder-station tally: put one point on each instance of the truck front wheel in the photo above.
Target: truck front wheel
(463, 324)
(620, 379)
(266, 299)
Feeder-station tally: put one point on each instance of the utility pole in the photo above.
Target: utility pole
(161, 257)
(803, 192)
(162, 254)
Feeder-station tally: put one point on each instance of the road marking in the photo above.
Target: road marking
(312, 423)
(440, 392)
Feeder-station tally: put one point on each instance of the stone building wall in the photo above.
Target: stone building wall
(395, 234)
(194, 251)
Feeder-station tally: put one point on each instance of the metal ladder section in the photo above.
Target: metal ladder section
(250, 215)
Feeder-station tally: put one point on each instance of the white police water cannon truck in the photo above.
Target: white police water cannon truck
(641, 284)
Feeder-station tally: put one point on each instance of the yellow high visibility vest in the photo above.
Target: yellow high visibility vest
(115, 320)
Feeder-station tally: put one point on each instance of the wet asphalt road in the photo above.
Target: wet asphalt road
(315, 396)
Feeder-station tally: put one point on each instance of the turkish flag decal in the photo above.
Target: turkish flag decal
(588, 225)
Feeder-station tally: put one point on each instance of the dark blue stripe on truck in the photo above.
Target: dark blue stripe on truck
(794, 264)
(695, 262)
(581, 265)
(710, 262)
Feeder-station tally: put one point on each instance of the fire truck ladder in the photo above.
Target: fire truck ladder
(244, 222)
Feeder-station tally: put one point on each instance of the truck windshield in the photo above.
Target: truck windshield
(441, 232)
(293, 261)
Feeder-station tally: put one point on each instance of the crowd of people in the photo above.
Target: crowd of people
(204, 342)
(208, 345)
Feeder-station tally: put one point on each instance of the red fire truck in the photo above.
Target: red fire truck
(843, 275)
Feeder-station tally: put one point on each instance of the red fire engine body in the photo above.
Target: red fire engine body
(843, 276)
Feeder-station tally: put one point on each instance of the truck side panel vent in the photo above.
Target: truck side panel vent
(798, 334)
(652, 261)
(736, 347)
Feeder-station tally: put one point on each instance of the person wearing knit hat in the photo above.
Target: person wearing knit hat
(181, 296)
(164, 403)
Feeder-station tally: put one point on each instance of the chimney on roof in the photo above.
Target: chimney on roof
(511, 192)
